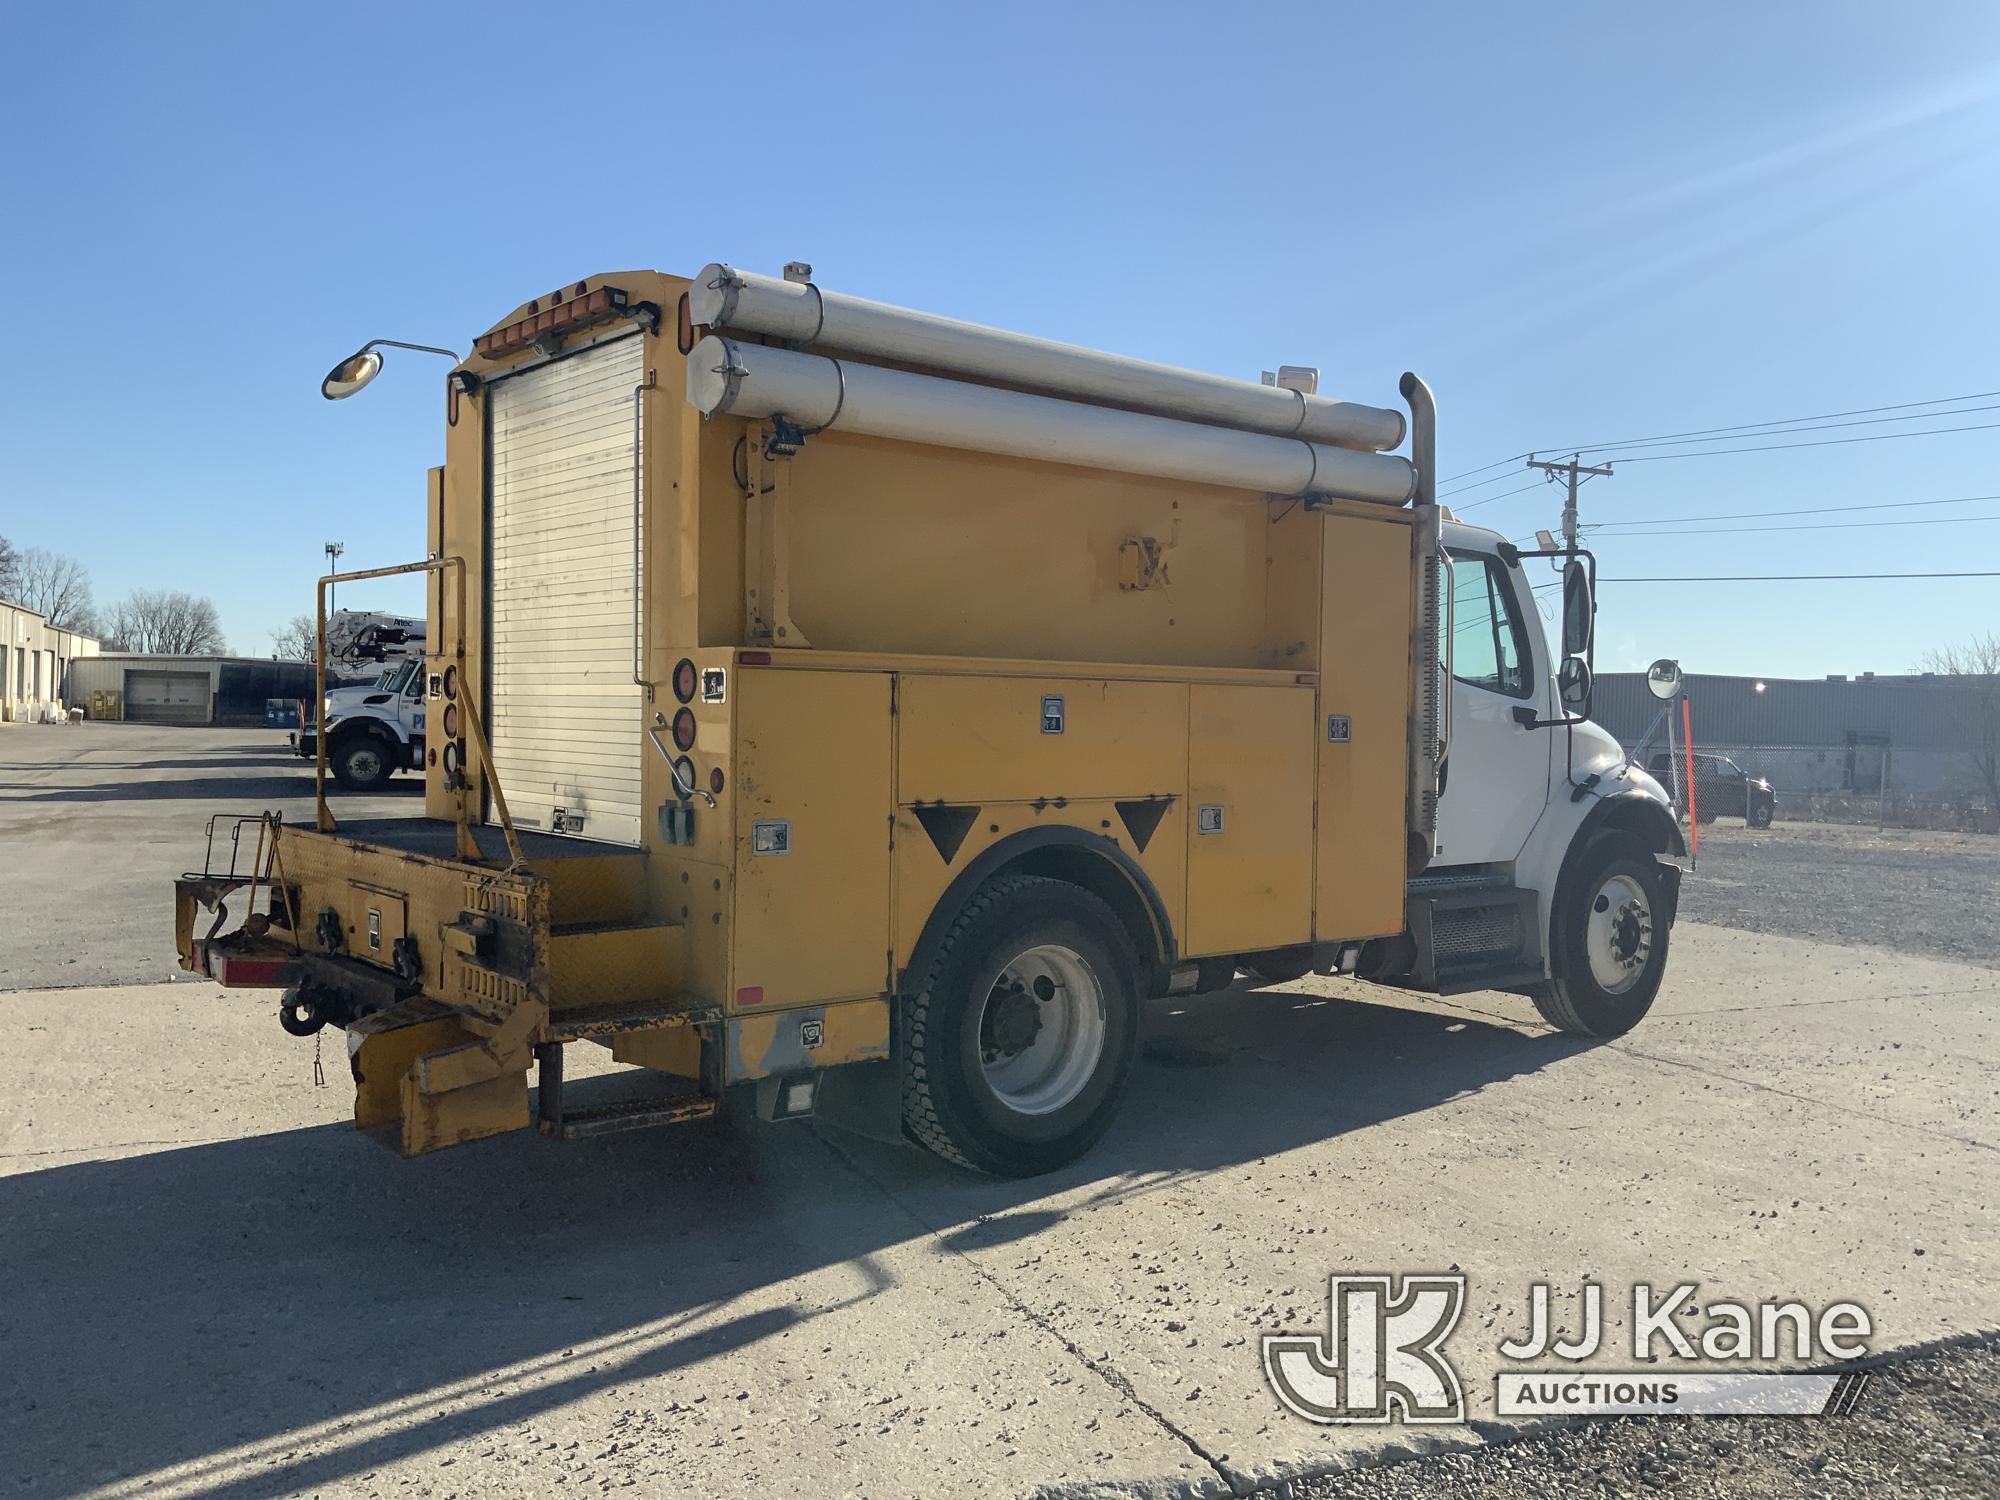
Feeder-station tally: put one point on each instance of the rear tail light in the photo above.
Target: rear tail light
(451, 721)
(451, 682)
(685, 680)
(684, 729)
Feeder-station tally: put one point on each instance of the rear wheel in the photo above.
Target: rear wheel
(1760, 815)
(1608, 940)
(361, 761)
(1017, 1048)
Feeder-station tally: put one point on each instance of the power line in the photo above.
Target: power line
(1742, 427)
(1790, 577)
(1878, 437)
(1959, 411)
(1481, 484)
(1809, 510)
(1510, 458)
(1475, 504)
(1817, 526)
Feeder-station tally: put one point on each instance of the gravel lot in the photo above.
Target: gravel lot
(1924, 1426)
(1931, 893)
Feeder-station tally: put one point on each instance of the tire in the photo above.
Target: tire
(361, 762)
(1017, 1047)
(1279, 965)
(1760, 815)
(1606, 971)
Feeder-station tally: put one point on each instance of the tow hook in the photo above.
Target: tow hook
(300, 1014)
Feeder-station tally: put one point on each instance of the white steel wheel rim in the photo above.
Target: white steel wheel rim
(364, 762)
(1041, 1073)
(1619, 934)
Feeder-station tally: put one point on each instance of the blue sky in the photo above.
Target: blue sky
(1578, 222)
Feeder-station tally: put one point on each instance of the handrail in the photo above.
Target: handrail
(640, 662)
(468, 844)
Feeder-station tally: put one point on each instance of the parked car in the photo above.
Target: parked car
(1720, 786)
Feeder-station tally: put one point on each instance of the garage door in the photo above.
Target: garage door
(166, 697)
(565, 711)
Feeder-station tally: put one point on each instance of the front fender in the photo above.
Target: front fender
(1633, 803)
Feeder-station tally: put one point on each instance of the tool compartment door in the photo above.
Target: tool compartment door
(563, 708)
(1250, 819)
(813, 807)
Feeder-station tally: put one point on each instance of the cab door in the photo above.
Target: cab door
(1496, 773)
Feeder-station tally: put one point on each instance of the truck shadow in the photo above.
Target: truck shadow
(241, 1312)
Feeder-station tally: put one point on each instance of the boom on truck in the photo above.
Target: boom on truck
(871, 710)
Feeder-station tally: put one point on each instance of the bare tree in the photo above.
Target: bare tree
(1977, 665)
(56, 587)
(10, 569)
(164, 622)
(298, 640)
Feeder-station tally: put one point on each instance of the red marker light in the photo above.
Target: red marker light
(753, 658)
(750, 994)
(715, 781)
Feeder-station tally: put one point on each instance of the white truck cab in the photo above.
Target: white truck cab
(1551, 872)
(373, 730)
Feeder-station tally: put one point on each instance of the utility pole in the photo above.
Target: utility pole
(1574, 470)
(334, 549)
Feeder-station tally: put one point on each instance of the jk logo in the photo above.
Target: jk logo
(1380, 1359)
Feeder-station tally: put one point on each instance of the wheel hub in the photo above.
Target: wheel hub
(1013, 1021)
(1619, 934)
(1042, 1030)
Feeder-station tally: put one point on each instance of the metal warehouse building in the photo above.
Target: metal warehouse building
(34, 656)
(1832, 735)
(184, 689)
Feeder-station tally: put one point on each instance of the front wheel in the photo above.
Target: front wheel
(361, 762)
(1608, 940)
(1017, 1048)
(1760, 815)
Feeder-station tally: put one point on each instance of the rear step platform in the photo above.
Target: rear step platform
(562, 1119)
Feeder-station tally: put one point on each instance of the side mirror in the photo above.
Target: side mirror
(350, 375)
(1663, 678)
(1578, 609)
(1573, 685)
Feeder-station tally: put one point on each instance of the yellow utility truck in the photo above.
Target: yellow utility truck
(873, 710)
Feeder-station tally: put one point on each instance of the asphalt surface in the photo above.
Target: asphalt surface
(216, 1287)
(96, 819)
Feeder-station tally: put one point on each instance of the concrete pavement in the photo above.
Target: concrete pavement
(217, 1288)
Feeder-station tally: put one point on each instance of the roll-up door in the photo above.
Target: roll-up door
(565, 712)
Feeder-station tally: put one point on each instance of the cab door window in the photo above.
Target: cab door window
(1489, 641)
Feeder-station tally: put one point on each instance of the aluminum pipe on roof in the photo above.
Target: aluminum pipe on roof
(724, 299)
(725, 377)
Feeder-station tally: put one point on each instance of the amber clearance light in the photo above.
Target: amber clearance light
(579, 309)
